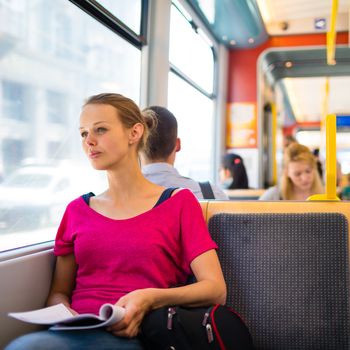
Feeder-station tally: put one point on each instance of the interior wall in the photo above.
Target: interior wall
(243, 89)
(242, 71)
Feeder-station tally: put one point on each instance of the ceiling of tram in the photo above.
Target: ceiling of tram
(302, 77)
(248, 23)
(301, 16)
(307, 97)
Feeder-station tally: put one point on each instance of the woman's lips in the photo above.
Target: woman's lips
(94, 154)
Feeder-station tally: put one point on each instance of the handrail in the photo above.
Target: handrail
(331, 162)
(274, 136)
(331, 35)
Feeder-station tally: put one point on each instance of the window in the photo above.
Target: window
(13, 100)
(190, 51)
(190, 95)
(62, 56)
(194, 113)
(127, 11)
(55, 103)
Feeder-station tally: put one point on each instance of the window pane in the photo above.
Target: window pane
(128, 12)
(194, 113)
(52, 58)
(190, 52)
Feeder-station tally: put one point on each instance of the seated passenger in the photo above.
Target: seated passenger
(158, 160)
(122, 246)
(300, 178)
(233, 174)
(345, 193)
(316, 153)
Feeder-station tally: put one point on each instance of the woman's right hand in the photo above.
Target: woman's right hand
(136, 304)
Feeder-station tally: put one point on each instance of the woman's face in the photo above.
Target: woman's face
(301, 174)
(104, 138)
(224, 174)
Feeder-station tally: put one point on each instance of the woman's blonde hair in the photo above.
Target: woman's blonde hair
(129, 114)
(296, 152)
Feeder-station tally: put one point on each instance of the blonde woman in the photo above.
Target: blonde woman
(300, 178)
(134, 245)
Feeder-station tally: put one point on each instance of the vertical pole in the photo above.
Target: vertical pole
(331, 161)
(274, 136)
(331, 34)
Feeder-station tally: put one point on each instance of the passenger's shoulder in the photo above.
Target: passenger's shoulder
(271, 193)
(218, 192)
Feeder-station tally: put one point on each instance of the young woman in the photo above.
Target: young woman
(122, 246)
(233, 174)
(300, 178)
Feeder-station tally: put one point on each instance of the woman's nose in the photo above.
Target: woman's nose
(90, 141)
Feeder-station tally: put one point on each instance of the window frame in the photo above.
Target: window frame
(196, 23)
(101, 14)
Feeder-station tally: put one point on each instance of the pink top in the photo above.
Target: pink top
(114, 257)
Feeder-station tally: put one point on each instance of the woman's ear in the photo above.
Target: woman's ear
(136, 132)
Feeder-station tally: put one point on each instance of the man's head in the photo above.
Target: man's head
(163, 142)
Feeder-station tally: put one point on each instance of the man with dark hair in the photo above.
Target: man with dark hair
(159, 158)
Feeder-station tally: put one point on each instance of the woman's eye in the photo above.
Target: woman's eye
(101, 130)
(83, 134)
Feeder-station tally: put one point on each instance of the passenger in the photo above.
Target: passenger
(121, 246)
(345, 193)
(316, 153)
(233, 174)
(288, 139)
(300, 178)
(159, 158)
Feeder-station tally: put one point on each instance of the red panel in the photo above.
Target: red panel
(243, 63)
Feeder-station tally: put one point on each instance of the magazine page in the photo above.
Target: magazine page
(108, 315)
(48, 315)
(62, 319)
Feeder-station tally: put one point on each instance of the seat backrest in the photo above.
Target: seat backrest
(245, 194)
(286, 267)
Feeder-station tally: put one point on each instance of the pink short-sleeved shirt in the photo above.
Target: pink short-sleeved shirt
(114, 257)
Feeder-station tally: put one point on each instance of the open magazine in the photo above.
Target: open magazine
(61, 318)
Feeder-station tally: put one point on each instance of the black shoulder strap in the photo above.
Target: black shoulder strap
(206, 189)
(87, 197)
(165, 195)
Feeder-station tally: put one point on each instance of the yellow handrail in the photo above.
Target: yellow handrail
(331, 34)
(274, 136)
(331, 161)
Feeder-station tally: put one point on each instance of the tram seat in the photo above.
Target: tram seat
(25, 282)
(286, 265)
(245, 194)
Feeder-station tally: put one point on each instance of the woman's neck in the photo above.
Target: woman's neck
(300, 194)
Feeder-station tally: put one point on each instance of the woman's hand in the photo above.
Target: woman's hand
(136, 304)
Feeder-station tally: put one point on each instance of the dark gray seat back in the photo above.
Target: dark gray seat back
(287, 275)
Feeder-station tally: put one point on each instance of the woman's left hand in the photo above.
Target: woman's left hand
(136, 304)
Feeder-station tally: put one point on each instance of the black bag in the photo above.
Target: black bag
(217, 327)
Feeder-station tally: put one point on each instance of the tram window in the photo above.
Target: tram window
(46, 75)
(127, 11)
(191, 52)
(13, 97)
(194, 113)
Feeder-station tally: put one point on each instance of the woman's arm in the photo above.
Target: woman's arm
(209, 289)
(63, 281)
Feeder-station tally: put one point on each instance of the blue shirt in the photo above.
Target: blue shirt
(166, 175)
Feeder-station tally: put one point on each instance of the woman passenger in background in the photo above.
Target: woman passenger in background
(300, 178)
(233, 174)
